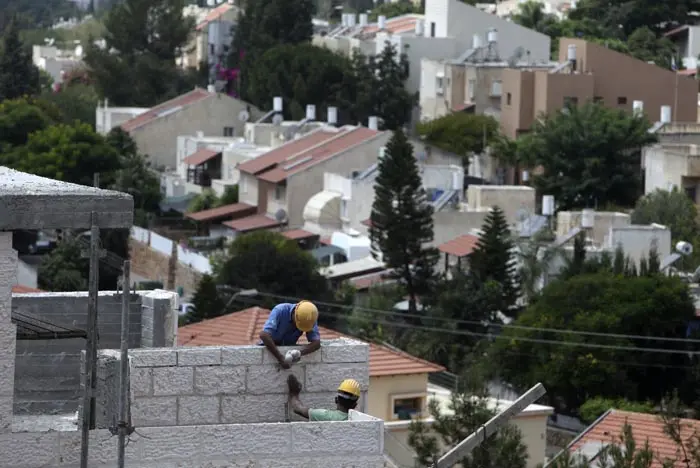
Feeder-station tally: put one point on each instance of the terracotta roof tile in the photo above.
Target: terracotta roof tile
(395, 25)
(154, 113)
(460, 246)
(252, 223)
(341, 142)
(362, 283)
(214, 14)
(243, 328)
(19, 289)
(200, 156)
(226, 211)
(644, 427)
(298, 234)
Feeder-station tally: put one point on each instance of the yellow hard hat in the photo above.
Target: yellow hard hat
(350, 387)
(305, 316)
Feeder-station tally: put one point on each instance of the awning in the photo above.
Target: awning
(299, 234)
(200, 156)
(252, 223)
(459, 247)
(226, 211)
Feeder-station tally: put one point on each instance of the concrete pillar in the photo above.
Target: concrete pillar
(8, 331)
(159, 319)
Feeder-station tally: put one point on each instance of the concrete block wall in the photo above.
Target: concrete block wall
(8, 331)
(357, 443)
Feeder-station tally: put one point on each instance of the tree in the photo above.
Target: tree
(531, 15)
(76, 102)
(203, 201)
(644, 44)
(460, 133)
(230, 196)
(589, 155)
(21, 117)
(137, 67)
(18, 74)
(492, 259)
(673, 209)
(536, 256)
(391, 9)
(64, 269)
(392, 103)
(594, 408)
(206, 301)
(402, 220)
(656, 305)
(467, 413)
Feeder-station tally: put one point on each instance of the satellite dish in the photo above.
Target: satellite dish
(243, 116)
(79, 51)
(281, 216)
(277, 119)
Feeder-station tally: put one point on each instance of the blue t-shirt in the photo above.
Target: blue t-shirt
(282, 328)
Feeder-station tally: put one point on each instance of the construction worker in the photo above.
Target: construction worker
(284, 326)
(345, 400)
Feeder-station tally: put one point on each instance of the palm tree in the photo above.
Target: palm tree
(536, 255)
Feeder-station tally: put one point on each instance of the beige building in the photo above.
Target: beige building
(212, 37)
(593, 72)
(156, 130)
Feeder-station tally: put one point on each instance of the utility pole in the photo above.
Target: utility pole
(466, 446)
(123, 426)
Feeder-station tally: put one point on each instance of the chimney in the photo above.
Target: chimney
(373, 123)
(665, 114)
(476, 41)
(419, 28)
(332, 116)
(277, 105)
(381, 22)
(364, 19)
(638, 107)
(310, 112)
(571, 56)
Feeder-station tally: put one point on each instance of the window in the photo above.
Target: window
(621, 101)
(228, 131)
(439, 86)
(432, 29)
(496, 88)
(211, 49)
(570, 101)
(471, 87)
(344, 208)
(279, 192)
(406, 407)
(508, 99)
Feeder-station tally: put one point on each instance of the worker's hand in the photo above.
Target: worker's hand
(285, 365)
(294, 385)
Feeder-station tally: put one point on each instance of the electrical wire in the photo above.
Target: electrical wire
(486, 323)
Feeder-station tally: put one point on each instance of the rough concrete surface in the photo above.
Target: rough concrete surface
(31, 202)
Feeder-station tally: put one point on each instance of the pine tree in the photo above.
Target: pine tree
(402, 220)
(18, 75)
(654, 262)
(492, 258)
(619, 261)
(206, 301)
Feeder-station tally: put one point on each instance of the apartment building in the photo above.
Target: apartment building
(472, 82)
(687, 41)
(590, 71)
(212, 37)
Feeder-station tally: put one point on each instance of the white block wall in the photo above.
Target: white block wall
(358, 443)
(236, 384)
(8, 331)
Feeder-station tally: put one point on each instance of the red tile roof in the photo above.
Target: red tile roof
(675, 31)
(214, 15)
(396, 25)
(19, 289)
(462, 107)
(288, 150)
(154, 113)
(645, 427)
(252, 223)
(688, 72)
(200, 156)
(340, 143)
(244, 327)
(226, 211)
(460, 246)
(298, 234)
(365, 282)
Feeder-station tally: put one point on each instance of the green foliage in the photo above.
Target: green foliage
(673, 209)
(147, 35)
(652, 305)
(62, 269)
(230, 196)
(594, 408)
(536, 255)
(21, 117)
(460, 133)
(391, 9)
(492, 259)
(206, 301)
(464, 415)
(362, 323)
(18, 75)
(85, 32)
(203, 201)
(589, 154)
(644, 44)
(402, 220)
(76, 102)
(34, 14)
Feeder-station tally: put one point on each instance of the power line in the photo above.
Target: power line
(487, 323)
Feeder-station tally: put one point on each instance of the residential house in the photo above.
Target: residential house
(456, 251)
(57, 62)
(213, 36)
(281, 182)
(470, 83)
(646, 429)
(592, 72)
(675, 160)
(686, 38)
(155, 131)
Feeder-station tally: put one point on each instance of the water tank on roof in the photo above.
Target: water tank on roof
(548, 205)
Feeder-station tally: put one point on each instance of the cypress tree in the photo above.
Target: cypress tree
(18, 75)
(206, 301)
(402, 219)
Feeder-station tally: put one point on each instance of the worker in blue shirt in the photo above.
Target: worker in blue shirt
(284, 326)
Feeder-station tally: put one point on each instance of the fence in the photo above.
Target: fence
(164, 246)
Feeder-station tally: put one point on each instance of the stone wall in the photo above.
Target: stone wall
(155, 266)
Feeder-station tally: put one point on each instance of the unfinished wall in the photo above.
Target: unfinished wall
(47, 376)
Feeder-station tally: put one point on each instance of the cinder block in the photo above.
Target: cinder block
(314, 400)
(344, 351)
(270, 378)
(347, 461)
(359, 437)
(195, 410)
(268, 358)
(141, 381)
(154, 411)
(216, 380)
(8, 340)
(154, 357)
(204, 356)
(102, 453)
(241, 355)
(6, 414)
(173, 381)
(327, 377)
(249, 409)
(29, 450)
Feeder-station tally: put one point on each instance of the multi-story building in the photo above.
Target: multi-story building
(212, 37)
(687, 41)
(592, 72)
(56, 62)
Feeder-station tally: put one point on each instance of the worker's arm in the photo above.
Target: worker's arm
(298, 407)
(266, 337)
(314, 338)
